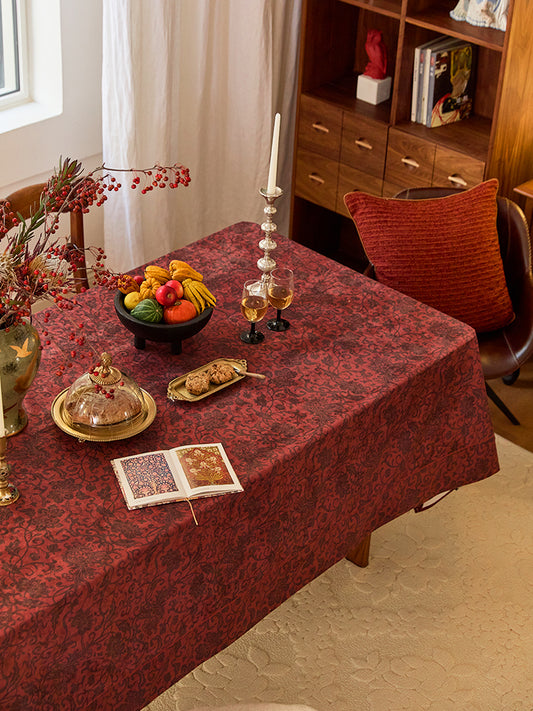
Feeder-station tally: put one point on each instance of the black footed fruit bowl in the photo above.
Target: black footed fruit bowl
(162, 332)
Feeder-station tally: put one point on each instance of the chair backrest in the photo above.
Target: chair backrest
(513, 236)
(26, 200)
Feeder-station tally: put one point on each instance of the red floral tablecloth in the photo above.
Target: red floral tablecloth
(373, 404)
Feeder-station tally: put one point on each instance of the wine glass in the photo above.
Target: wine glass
(254, 305)
(280, 293)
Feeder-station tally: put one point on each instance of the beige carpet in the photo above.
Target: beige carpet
(519, 399)
(442, 618)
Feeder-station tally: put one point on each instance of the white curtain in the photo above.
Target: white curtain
(197, 82)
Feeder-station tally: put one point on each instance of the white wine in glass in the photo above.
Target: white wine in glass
(280, 293)
(254, 305)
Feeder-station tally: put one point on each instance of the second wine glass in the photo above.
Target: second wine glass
(254, 305)
(280, 293)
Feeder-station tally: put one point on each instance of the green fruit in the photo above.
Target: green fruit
(148, 310)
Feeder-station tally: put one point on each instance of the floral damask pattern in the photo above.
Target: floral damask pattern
(373, 403)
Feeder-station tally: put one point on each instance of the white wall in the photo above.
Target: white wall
(29, 154)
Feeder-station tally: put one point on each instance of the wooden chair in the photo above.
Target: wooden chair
(26, 200)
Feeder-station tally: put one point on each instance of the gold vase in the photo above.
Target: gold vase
(20, 355)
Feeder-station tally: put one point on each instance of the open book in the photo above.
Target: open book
(172, 475)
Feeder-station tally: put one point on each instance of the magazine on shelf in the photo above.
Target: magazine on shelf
(437, 57)
(450, 85)
(426, 52)
(181, 473)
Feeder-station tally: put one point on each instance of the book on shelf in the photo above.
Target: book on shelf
(418, 74)
(180, 473)
(450, 84)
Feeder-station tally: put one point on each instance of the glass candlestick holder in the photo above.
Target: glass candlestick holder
(266, 264)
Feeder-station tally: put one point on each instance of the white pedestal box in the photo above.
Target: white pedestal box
(373, 91)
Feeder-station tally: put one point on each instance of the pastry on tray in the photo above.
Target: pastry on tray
(197, 383)
(220, 373)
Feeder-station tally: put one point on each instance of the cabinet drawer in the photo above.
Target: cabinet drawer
(316, 178)
(457, 170)
(364, 145)
(351, 179)
(409, 161)
(319, 127)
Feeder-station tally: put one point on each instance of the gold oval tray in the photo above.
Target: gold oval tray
(104, 433)
(176, 388)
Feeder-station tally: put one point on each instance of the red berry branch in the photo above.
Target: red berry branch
(35, 264)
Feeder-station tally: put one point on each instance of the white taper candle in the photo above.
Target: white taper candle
(272, 173)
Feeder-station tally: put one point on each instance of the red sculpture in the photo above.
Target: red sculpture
(377, 53)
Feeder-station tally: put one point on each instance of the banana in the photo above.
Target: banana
(202, 292)
(210, 301)
(208, 296)
(195, 303)
(190, 295)
(198, 294)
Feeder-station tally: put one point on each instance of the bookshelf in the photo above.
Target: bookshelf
(342, 144)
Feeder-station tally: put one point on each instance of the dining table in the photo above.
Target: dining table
(372, 404)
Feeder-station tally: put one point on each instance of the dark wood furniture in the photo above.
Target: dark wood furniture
(345, 144)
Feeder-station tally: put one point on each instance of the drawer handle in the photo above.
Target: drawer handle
(457, 180)
(361, 143)
(316, 178)
(320, 127)
(411, 162)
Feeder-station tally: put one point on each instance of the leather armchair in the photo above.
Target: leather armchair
(503, 351)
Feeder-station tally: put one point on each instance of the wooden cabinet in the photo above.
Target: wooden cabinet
(316, 178)
(414, 162)
(320, 127)
(456, 170)
(410, 162)
(364, 144)
(343, 143)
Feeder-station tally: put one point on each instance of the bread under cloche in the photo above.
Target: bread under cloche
(103, 397)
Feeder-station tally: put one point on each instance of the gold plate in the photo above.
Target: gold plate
(104, 433)
(176, 388)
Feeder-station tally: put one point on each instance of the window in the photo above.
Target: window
(10, 64)
(33, 48)
(58, 111)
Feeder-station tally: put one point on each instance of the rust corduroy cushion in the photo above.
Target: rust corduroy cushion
(443, 251)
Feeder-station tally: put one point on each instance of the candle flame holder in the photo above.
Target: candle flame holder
(8, 492)
(266, 264)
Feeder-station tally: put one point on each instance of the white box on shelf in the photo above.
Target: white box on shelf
(373, 91)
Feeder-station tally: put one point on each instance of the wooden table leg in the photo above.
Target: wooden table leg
(359, 554)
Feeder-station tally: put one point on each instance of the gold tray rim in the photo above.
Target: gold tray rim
(174, 394)
(108, 433)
